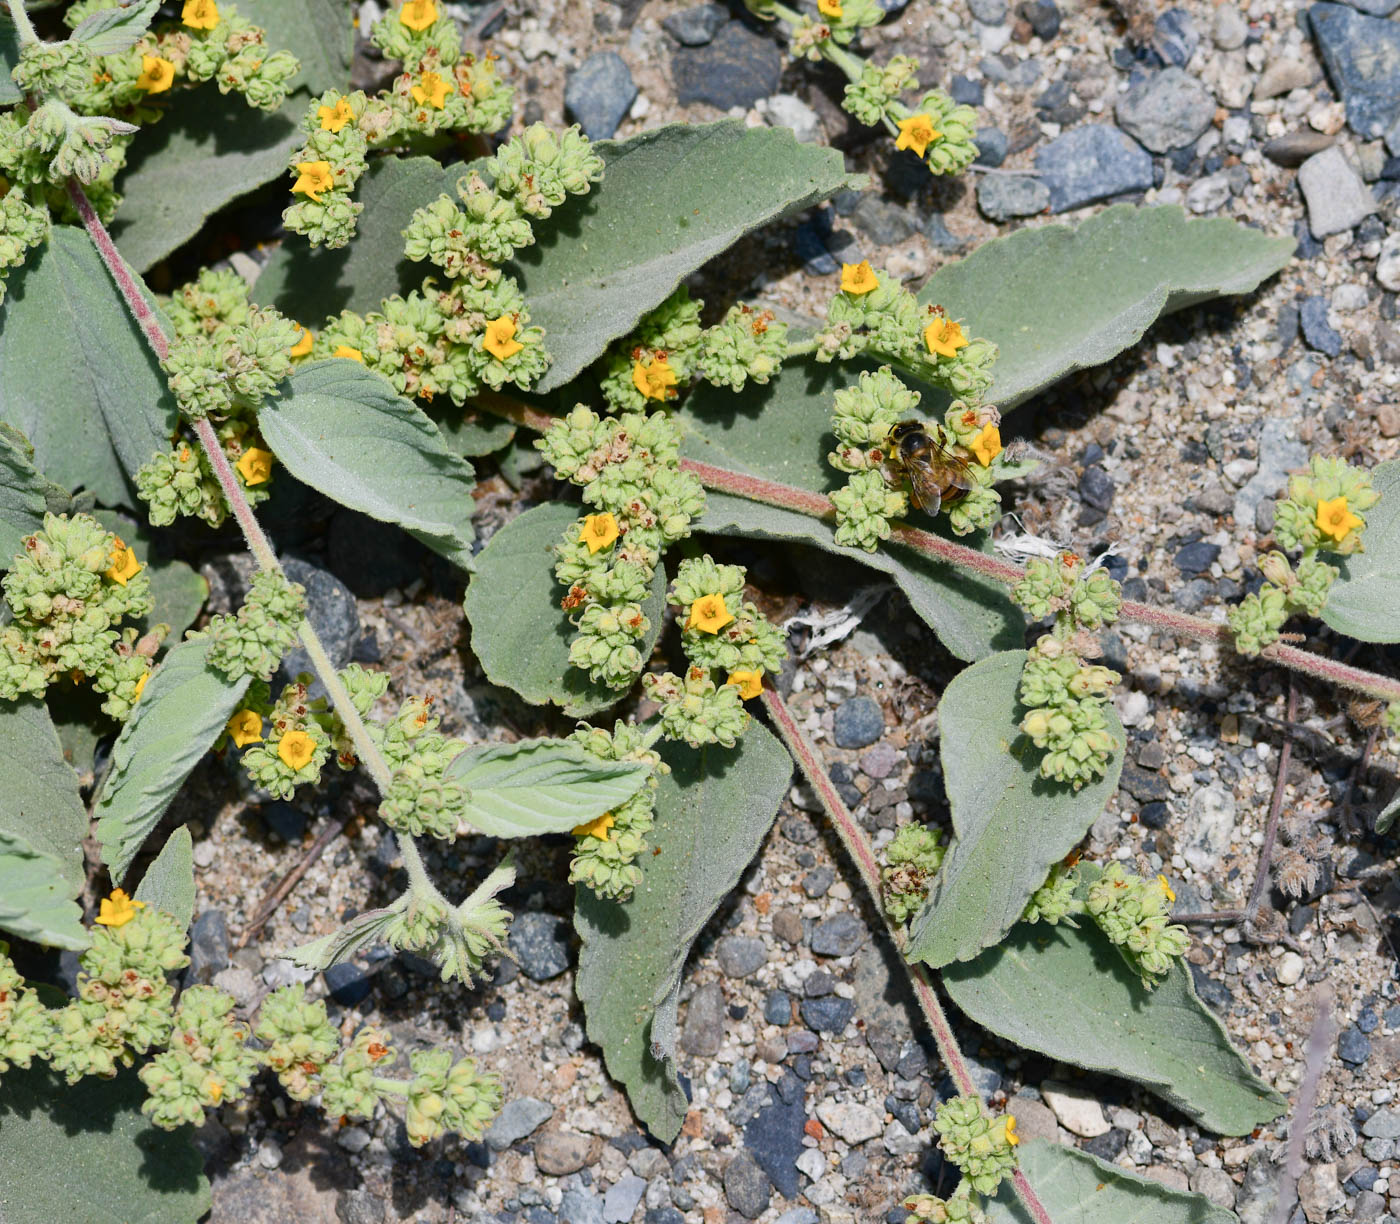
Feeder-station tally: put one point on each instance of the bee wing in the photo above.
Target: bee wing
(953, 471)
(926, 490)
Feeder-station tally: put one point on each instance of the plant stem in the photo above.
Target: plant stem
(863, 855)
(22, 22)
(253, 535)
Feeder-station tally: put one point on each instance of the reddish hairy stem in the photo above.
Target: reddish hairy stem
(863, 854)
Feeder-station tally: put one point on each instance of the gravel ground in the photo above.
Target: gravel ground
(810, 1077)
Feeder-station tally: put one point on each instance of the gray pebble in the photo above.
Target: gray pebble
(736, 68)
(1362, 56)
(1175, 37)
(1337, 199)
(1166, 111)
(1292, 149)
(346, 983)
(518, 1119)
(747, 1188)
(1004, 196)
(1230, 28)
(882, 222)
(580, 1206)
(705, 1019)
(988, 12)
(1317, 331)
(1092, 163)
(209, 948)
(539, 943)
(991, 147)
(1353, 1047)
(858, 723)
(828, 1014)
(620, 1202)
(694, 27)
(599, 93)
(359, 1206)
(841, 935)
(777, 1007)
(817, 883)
(741, 955)
(1043, 16)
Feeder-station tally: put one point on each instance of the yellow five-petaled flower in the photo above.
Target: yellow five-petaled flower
(655, 380)
(303, 344)
(595, 828)
(749, 683)
(709, 614)
(431, 90)
(986, 444)
(418, 14)
(830, 8)
(500, 339)
(917, 133)
(598, 531)
(858, 278)
(244, 728)
(333, 118)
(1011, 1137)
(350, 354)
(313, 177)
(295, 749)
(255, 465)
(118, 909)
(944, 337)
(157, 75)
(1166, 888)
(124, 566)
(1335, 518)
(200, 14)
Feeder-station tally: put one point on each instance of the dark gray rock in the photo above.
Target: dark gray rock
(966, 91)
(580, 1206)
(1091, 163)
(882, 222)
(819, 983)
(1096, 488)
(841, 935)
(1175, 37)
(599, 93)
(705, 1018)
(991, 147)
(1197, 557)
(518, 1119)
(1214, 994)
(988, 12)
(347, 983)
(1043, 16)
(1317, 331)
(1336, 196)
(828, 1014)
(858, 723)
(773, 1136)
(1166, 111)
(331, 609)
(1004, 196)
(695, 27)
(777, 1007)
(209, 949)
(741, 955)
(736, 68)
(1353, 1046)
(1292, 149)
(747, 1188)
(816, 883)
(1362, 58)
(284, 819)
(359, 1206)
(1375, 8)
(812, 251)
(663, 1215)
(540, 944)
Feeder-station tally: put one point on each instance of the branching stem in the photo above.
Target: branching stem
(22, 22)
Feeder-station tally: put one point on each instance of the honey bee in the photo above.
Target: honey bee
(920, 453)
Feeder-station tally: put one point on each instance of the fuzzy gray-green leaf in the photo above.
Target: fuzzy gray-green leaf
(79, 380)
(341, 944)
(182, 711)
(712, 813)
(1057, 299)
(320, 33)
(169, 881)
(23, 495)
(84, 1153)
(1068, 993)
(1364, 598)
(35, 900)
(519, 633)
(540, 786)
(1077, 1188)
(345, 432)
(9, 56)
(1010, 824)
(113, 30)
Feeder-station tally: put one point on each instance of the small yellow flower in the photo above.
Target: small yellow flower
(1011, 1136)
(986, 443)
(944, 337)
(303, 344)
(431, 90)
(157, 75)
(244, 728)
(750, 683)
(351, 354)
(255, 465)
(598, 531)
(295, 749)
(333, 118)
(655, 380)
(124, 565)
(595, 828)
(858, 278)
(1335, 519)
(500, 339)
(200, 14)
(917, 133)
(313, 178)
(1166, 888)
(830, 8)
(140, 687)
(118, 909)
(418, 14)
(708, 614)
(214, 1089)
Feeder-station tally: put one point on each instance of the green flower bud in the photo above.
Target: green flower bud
(207, 1062)
(446, 1096)
(439, 43)
(419, 801)
(982, 1146)
(957, 125)
(855, 16)
(863, 415)
(22, 227)
(694, 710)
(607, 850)
(745, 345)
(1134, 914)
(869, 98)
(1325, 507)
(887, 319)
(215, 299)
(1256, 620)
(1055, 901)
(668, 339)
(299, 1039)
(255, 640)
(864, 509)
(911, 861)
(541, 168)
(959, 1209)
(347, 1085)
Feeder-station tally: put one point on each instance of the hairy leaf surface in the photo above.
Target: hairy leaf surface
(712, 812)
(1077, 1188)
(519, 632)
(79, 381)
(1010, 824)
(320, 33)
(110, 31)
(341, 944)
(181, 713)
(1057, 299)
(9, 57)
(85, 1154)
(23, 495)
(344, 431)
(1068, 993)
(541, 786)
(35, 900)
(169, 881)
(1364, 598)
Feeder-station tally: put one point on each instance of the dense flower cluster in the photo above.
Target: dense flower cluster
(959, 1208)
(253, 642)
(912, 859)
(420, 799)
(68, 591)
(982, 1146)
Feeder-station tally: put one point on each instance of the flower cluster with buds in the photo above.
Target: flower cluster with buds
(302, 735)
(912, 859)
(420, 799)
(959, 1208)
(1067, 696)
(67, 591)
(983, 1146)
(1324, 512)
(253, 642)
